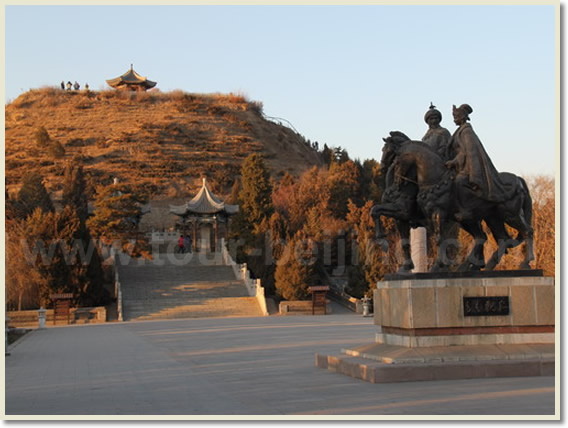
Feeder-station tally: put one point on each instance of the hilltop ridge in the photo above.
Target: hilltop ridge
(160, 143)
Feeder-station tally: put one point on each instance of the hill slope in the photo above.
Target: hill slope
(161, 143)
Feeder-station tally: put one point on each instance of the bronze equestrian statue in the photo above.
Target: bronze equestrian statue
(423, 188)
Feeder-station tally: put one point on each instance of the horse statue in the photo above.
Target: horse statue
(421, 191)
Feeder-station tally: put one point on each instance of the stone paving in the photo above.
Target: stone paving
(237, 367)
(193, 285)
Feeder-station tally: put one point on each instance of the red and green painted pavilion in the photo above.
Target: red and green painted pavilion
(131, 81)
(206, 217)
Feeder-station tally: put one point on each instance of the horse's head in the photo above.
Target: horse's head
(392, 147)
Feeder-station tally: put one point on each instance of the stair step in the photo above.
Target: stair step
(169, 291)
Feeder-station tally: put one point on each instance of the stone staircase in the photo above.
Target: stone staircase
(182, 286)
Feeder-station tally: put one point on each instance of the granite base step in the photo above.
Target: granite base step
(378, 363)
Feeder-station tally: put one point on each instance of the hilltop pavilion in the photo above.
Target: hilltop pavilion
(205, 215)
(131, 81)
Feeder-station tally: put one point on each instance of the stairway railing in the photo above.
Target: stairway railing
(254, 286)
(117, 287)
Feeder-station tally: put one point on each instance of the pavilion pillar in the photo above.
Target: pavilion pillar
(216, 234)
(194, 243)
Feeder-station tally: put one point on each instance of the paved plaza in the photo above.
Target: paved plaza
(234, 366)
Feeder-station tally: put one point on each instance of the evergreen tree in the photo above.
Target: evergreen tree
(278, 229)
(369, 179)
(296, 269)
(251, 222)
(22, 279)
(327, 154)
(343, 181)
(340, 155)
(256, 191)
(74, 191)
(32, 195)
(233, 198)
(52, 252)
(117, 213)
(287, 180)
(371, 262)
(310, 192)
(88, 268)
(48, 237)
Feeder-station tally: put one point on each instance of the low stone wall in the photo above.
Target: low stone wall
(301, 307)
(254, 286)
(29, 319)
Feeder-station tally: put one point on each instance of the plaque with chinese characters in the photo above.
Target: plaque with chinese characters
(486, 306)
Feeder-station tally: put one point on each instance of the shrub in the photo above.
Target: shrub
(83, 105)
(146, 97)
(256, 107)
(101, 143)
(236, 98)
(56, 150)
(76, 142)
(42, 137)
(108, 94)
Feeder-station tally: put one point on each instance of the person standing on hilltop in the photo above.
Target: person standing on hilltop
(62, 85)
(76, 86)
(69, 85)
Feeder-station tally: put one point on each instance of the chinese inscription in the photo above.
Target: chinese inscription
(485, 306)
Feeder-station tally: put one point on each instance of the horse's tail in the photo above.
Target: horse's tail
(527, 202)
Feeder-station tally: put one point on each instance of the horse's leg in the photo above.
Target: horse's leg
(435, 225)
(404, 230)
(447, 245)
(380, 235)
(450, 243)
(526, 216)
(529, 253)
(379, 231)
(517, 213)
(387, 210)
(503, 240)
(475, 260)
(525, 234)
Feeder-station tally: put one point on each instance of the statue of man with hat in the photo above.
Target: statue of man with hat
(472, 163)
(436, 137)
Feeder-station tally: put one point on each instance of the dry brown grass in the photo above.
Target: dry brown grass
(151, 140)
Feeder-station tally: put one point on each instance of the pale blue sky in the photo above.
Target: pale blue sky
(343, 75)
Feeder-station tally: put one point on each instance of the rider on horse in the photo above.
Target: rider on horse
(436, 137)
(472, 163)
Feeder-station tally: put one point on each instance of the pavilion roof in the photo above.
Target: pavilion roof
(204, 202)
(131, 78)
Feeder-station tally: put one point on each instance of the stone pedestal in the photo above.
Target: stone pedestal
(465, 311)
(459, 326)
